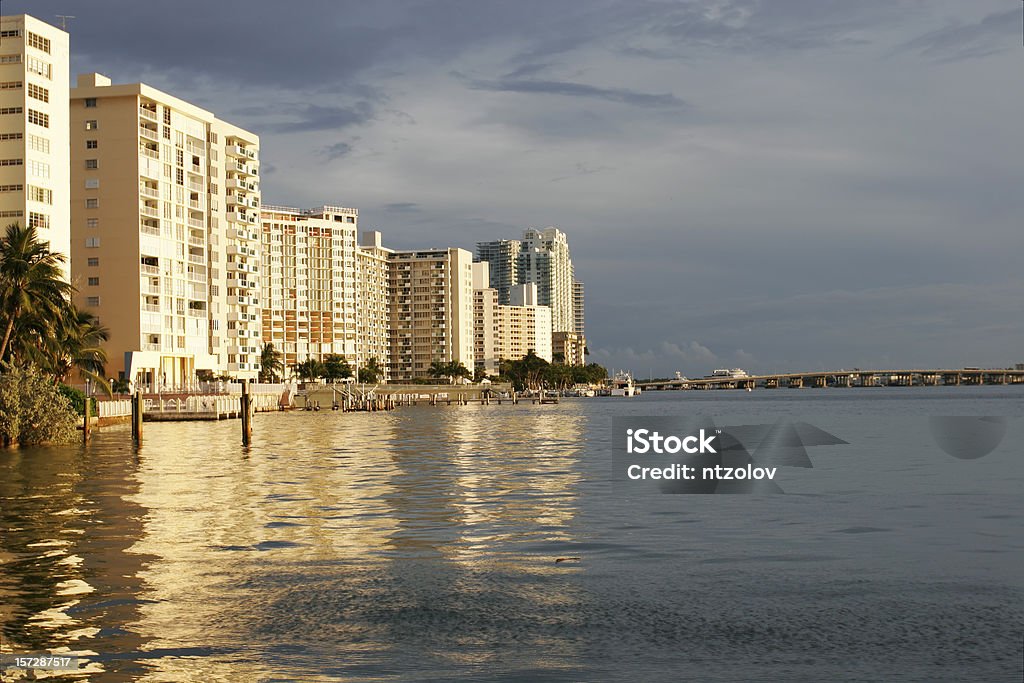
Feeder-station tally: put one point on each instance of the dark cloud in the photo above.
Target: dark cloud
(568, 89)
(336, 151)
(315, 117)
(402, 207)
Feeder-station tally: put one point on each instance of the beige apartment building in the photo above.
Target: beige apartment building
(373, 302)
(309, 282)
(165, 233)
(431, 310)
(34, 167)
(507, 332)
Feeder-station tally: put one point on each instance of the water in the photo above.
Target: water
(421, 544)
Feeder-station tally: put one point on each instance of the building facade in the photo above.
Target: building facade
(373, 302)
(165, 233)
(502, 257)
(507, 332)
(34, 130)
(431, 310)
(570, 347)
(545, 261)
(579, 317)
(309, 282)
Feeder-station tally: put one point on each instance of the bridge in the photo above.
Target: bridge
(846, 378)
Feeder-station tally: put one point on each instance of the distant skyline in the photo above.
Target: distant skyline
(784, 185)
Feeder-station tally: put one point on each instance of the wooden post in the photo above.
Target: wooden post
(246, 407)
(137, 417)
(87, 422)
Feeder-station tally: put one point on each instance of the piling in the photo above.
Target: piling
(137, 417)
(87, 421)
(246, 410)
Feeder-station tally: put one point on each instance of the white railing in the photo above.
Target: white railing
(115, 408)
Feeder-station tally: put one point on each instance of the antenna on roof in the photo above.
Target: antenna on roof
(64, 21)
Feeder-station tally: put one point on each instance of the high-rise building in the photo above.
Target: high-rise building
(34, 164)
(502, 257)
(431, 310)
(165, 232)
(309, 282)
(507, 332)
(545, 261)
(579, 326)
(571, 347)
(373, 302)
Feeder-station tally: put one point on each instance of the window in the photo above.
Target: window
(92, 203)
(39, 93)
(39, 118)
(11, 85)
(38, 220)
(90, 102)
(94, 282)
(38, 42)
(92, 125)
(11, 136)
(37, 66)
(12, 33)
(92, 144)
(92, 222)
(92, 301)
(40, 194)
(11, 110)
(11, 188)
(10, 59)
(11, 162)
(179, 176)
(92, 183)
(93, 261)
(38, 169)
(92, 163)
(92, 242)
(38, 143)
(11, 214)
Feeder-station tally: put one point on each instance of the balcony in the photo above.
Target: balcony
(148, 114)
(150, 308)
(150, 211)
(196, 258)
(196, 241)
(242, 169)
(150, 229)
(196, 223)
(147, 191)
(147, 152)
(146, 269)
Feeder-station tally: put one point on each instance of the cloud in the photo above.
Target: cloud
(960, 41)
(336, 151)
(570, 89)
(315, 117)
(402, 207)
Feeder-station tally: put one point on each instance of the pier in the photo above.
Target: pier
(821, 379)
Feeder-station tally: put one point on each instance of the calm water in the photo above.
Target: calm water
(421, 545)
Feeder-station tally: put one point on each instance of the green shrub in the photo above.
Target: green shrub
(33, 409)
(76, 397)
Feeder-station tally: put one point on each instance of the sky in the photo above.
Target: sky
(778, 185)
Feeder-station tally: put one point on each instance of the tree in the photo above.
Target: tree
(336, 367)
(309, 369)
(450, 370)
(271, 365)
(80, 347)
(372, 372)
(32, 288)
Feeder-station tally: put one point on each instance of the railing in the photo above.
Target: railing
(149, 134)
(151, 192)
(148, 114)
(151, 153)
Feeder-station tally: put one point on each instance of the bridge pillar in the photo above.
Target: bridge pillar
(820, 382)
(772, 383)
(796, 382)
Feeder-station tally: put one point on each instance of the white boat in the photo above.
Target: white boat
(733, 373)
(621, 384)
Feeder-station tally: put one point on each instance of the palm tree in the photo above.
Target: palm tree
(372, 372)
(80, 347)
(31, 283)
(271, 365)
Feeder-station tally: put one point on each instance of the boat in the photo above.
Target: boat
(621, 384)
(733, 373)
